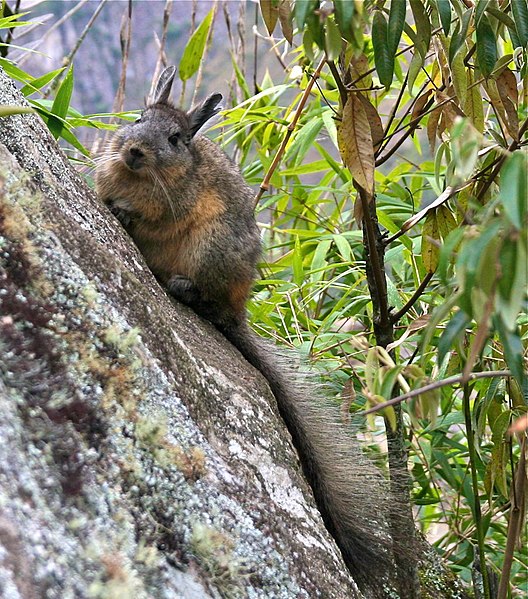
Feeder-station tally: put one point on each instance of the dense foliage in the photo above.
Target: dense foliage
(402, 275)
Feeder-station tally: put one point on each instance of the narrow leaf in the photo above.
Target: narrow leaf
(303, 8)
(520, 16)
(430, 242)
(195, 48)
(486, 46)
(383, 59)
(396, 22)
(344, 13)
(270, 14)
(286, 19)
(444, 11)
(333, 41)
(514, 189)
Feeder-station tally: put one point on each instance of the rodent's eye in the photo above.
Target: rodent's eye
(138, 120)
(174, 139)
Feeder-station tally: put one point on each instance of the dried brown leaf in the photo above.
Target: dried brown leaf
(374, 119)
(286, 20)
(355, 143)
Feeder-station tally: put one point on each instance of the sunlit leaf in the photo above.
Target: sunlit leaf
(195, 48)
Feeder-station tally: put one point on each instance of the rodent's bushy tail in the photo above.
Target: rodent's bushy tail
(349, 490)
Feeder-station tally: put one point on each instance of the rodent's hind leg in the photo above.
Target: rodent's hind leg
(183, 289)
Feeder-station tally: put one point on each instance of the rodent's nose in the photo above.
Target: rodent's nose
(134, 158)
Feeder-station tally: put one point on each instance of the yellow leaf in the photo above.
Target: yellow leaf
(474, 106)
(355, 143)
(430, 242)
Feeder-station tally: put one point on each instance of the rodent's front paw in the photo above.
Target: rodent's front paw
(125, 217)
(183, 289)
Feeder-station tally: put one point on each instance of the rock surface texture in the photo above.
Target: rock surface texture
(140, 455)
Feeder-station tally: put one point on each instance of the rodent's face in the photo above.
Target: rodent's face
(159, 142)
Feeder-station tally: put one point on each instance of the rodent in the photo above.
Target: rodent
(191, 214)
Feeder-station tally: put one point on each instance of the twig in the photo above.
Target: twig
(9, 37)
(264, 186)
(515, 522)
(377, 285)
(416, 295)
(477, 514)
(452, 380)
(68, 60)
(343, 93)
(49, 31)
(125, 37)
(161, 49)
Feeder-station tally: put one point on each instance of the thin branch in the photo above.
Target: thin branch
(515, 144)
(416, 295)
(452, 380)
(264, 186)
(477, 513)
(161, 48)
(343, 94)
(68, 60)
(380, 286)
(51, 29)
(515, 522)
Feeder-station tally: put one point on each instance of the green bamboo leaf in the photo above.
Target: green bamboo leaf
(452, 332)
(501, 16)
(481, 6)
(486, 46)
(383, 59)
(460, 34)
(316, 28)
(333, 41)
(38, 83)
(423, 27)
(11, 110)
(344, 13)
(514, 189)
(444, 11)
(195, 48)
(303, 8)
(11, 21)
(343, 247)
(513, 350)
(520, 16)
(397, 12)
(513, 282)
(297, 263)
(61, 104)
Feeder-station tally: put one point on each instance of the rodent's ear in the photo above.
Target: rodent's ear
(163, 86)
(203, 112)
